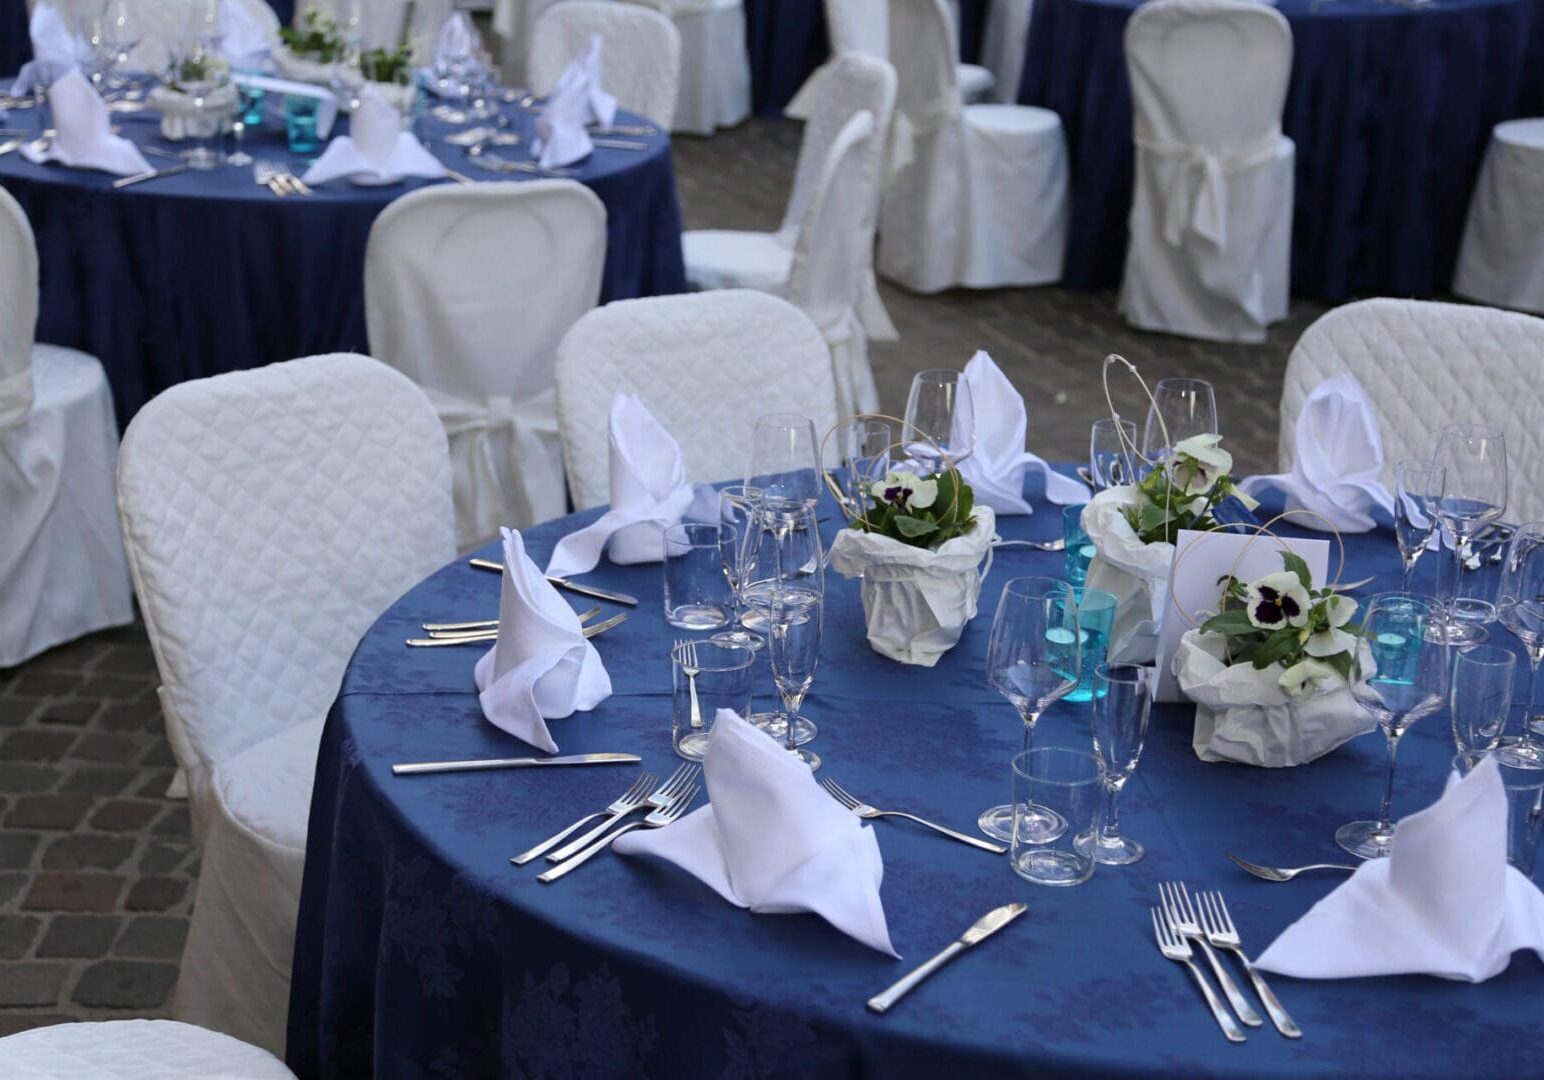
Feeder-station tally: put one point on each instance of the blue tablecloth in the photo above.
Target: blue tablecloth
(422, 951)
(196, 274)
(15, 44)
(1391, 109)
(284, 9)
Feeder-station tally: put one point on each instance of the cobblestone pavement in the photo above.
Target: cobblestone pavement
(97, 866)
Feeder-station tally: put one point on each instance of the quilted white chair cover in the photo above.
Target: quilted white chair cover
(1003, 41)
(705, 364)
(63, 572)
(1211, 218)
(468, 290)
(715, 67)
(1426, 365)
(164, 29)
(271, 516)
(642, 53)
(514, 21)
(983, 202)
(1502, 258)
(133, 1050)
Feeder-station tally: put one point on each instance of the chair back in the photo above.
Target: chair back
(18, 310)
(270, 517)
(826, 278)
(859, 26)
(923, 46)
(1425, 365)
(706, 365)
(641, 55)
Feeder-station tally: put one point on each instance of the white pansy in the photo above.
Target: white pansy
(905, 490)
(1277, 600)
(1199, 461)
(1301, 678)
(1329, 642)
(1339, 609)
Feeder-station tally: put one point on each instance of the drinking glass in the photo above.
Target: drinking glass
(1063, 783)
(1473, 458)
(784, 467)
(794, 650)
(735, 519)
(1180, 409)
(940, 427)
(1096, 619)
(1405, 681)
(1481, 695)
(1110, 445)
(697, 596)
(783, 554)
(706, 676)
(121, 32)
(1032, 659)
(1520, 607)
(206, 127)
(300, 123)
(1080, 550)
(1417, 497)
(1523, 780)
(251, 105)
(866, 460)
(1122, 703)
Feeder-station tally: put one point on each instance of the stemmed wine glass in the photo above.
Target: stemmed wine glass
(1473, 458)
(794, 626)
(736, 518)
(1520, 606)
(1122, 704)
(120, 32)
(784, 468)
(1405, 680)
(1180, 409)
(1417, 498)
(783, 554)
(866, 461)
(940, 427)
(1110, 443)
(1032, 659)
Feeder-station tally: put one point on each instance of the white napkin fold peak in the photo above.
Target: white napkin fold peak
(649, 493)
(771, 840)
(996, 468)
(55, 50)
(1445, 902)
(588, 66)
(376, 148)
(85, 138)
(561, 136)
(1337, 459)
(541, 667)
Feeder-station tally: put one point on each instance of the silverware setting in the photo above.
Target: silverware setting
(619, 144)
(1058, 544)
(478, 637)
(658, 819)
(1284, 873)
(625, 803)
(1221, 932)
(479, 626)
(691, 669)
(979, 931)
(660, 798)
(864, 810)
(1177, 949)
(414, 768)
(479, 155)
(153, 174)
(593, 591)
(1182, 918)
(278, 178)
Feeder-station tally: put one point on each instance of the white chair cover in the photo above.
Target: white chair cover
(271, 516)
(642, 53)
(705, 364)
(514, 21)
(1211, 218)
(859, 26)
(63, 572)
(164, 29)
(468, 290)
(133, 1050)
(715, 87)
(1502, 258)
(983, 199)
(1003, 42)
(1425, 365)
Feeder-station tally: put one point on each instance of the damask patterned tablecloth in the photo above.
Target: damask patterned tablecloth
(422, 952)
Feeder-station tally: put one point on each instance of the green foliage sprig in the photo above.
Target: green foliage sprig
(919, 511)
(316, 38)
(1181, 494)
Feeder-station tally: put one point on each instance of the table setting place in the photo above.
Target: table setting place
(1118, 618)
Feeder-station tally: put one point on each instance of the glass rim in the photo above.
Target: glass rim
(786, 420)
(1183, 382)
(1064, 753)
(1113, 423)
(1018, 587)
(681, 531)
(747, 654)
(1471, 430)
(1080, 593)
(1427, 603)
(939, 374)
(1106, 672)
(1501, 656)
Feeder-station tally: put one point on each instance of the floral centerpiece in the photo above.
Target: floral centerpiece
(1270, 672)
(316, 52)
(919, 547)
(195, 98)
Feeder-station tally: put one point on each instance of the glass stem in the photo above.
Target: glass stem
(1029, 729)
(1535, 654)
(1385, 814)
(1109, 831)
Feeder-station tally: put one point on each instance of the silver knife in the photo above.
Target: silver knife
(171, 170)
(478, 637)
(565, 583)
(477, 765)
(982, 929)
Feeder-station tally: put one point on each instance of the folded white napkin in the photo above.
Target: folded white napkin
(245, 41)
(541, 667)
(85, 138)
(55, 49)
(600, 107)
(561, 138)
(772, 841)
(1445, 902)
(327, 101)
(376, 149)
(457, 42)
(649, 493)
(996, 468)
(1337, 460)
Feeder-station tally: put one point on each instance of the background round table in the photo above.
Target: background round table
(1391, 108)
(15, 44)
(422, 951)
(205, 272)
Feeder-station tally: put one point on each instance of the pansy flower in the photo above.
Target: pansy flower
(1277, 600)
(905, 490)
(1198, 462)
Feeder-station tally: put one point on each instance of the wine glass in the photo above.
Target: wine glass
(1032, 660)
(1520, 607)
(1473, 458)
(1122, 703)
(866, 460)
(121, 33)
(1399, 675)
(1181, 408)
(794, 619)
(940, 429)
(1110, 444)
(784, 468)
(1481, 697)
(782, 554)
(205, 79)
(736, 520)
(1417, 497)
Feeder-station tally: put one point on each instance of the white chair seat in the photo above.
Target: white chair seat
(267, 787)
(725, 259)
(1501, 261)
(975, 81)
(1030, 120)
(134, 1050)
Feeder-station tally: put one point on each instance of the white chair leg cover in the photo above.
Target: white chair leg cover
(1002, 46)
(1502, 258)
(133, 1050)
(855, 389)
(63, 572)
(715, 86)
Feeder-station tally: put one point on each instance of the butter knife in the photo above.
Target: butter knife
(478, 637)
(170, 170)
(565, 583)
(479, 764)
(982, 929)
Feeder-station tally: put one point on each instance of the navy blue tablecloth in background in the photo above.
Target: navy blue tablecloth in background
(284, 9)
(15, 44)
(421, 951)
(193, 275)
(1391, 108)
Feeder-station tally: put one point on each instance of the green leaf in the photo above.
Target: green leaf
(1230, 623)
(912, 528)
(1280, 645)
(1296, 564)
(1341, 662)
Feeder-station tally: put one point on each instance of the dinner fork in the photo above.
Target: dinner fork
(1221, 932)
(286, 176)
(263, 174)
(1182, 917)
(864, 810)
(625, 803)
(665, 815)
(663, 796)
(1177, 949)
(1284, 873)
(691, 669)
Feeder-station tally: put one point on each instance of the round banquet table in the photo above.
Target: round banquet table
(1391, 108)
(422, 951)
(204, 272)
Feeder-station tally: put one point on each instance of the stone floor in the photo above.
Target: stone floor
(97, 866)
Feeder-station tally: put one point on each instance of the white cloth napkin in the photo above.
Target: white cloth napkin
(561, 138)
(771, 840)
(649, 493)
(541, 667)
(1445, 902)
(1337, 460)
(996, 469)
(85, 138)
(245, 42)
(55, 50)
(587, 67)
(376, 148)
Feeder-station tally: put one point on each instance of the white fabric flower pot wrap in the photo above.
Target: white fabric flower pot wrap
(1136, 574)
(180, 119)
(917, 601)
(302, 69)
(1245, 716)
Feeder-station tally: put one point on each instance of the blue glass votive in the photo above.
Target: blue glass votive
(1096, 620)
(251, 106)
(300, 123)
(1080, 549)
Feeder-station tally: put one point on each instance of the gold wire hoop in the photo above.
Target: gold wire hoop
(842, 498)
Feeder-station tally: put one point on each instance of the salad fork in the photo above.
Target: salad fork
(663, 796)
(1284, 873)
(286, 176)
(264, 174)
(665, 815)
(1221, 932)
(691, 669)
(625, 803)
(1177, 949)
(864, 810)
(1182, 917)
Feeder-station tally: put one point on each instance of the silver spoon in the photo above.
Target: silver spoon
(1285, 873)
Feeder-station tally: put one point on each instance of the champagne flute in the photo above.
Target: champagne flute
(1473, 458)
(940, 429)
(1032, 659)
(1122, 704)
(121, 32)
(794, 651)
(784, 467)
(1110, 444)
(1520, 606)
(783, 554)
(866, 461)
(736, 520)
(1417, 497)
(1481, 697)
(1399, 675)
(1181, 408)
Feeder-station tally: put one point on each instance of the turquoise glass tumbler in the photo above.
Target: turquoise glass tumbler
(1096, 620)
(300, 123)
(1080, 549)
